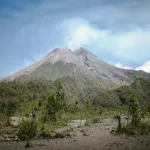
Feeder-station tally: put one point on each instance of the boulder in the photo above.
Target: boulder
(8, 140)
(2, 138)
(16, 139)
(76, 123)
(15, 121)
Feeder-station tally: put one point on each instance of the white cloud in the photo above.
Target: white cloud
(145, 67)
(78, 33)
(126, 46)
(83, 35)
(119, 65)
(116, 34)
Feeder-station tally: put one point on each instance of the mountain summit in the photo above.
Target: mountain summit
(79, 64)
(83, 74)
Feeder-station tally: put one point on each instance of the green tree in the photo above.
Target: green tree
(88, 104)
(56, 101)
(134, 110)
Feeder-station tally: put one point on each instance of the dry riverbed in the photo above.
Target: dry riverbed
(92, 137)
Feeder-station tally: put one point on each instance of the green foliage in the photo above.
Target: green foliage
(27, 130)
(141, 129)
(134, 110)
(143, 111)
(8, 108)
(56, 101)
(15, 94)
(88, 104)
(137, 113)
(141, 87)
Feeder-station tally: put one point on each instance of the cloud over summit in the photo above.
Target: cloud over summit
(126, 46)
(113, 30)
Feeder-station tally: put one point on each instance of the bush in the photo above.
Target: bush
(142, 129)
(137, 112)
(27, 130)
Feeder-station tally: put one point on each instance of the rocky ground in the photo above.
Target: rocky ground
(94, 137)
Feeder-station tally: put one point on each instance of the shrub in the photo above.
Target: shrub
(141, 129)
(27, 130)
(137, 113)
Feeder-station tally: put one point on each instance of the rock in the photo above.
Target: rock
(86, 134)
(5, 136)
(81, 130)
(15, 121)
(8, 139)
(75, 140)
(28, 144)
(58, 135)
(76, 123)
(16, 138)
(2, 138)
(11, 136)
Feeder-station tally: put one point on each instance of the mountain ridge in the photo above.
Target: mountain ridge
(83, 74)
(80, 64)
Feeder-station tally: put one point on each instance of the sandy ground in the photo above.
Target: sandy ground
(93, 137)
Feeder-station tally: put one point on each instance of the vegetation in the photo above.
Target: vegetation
(136, 112)
(141, 87)
(52, 108)
(27, 130)
(56, 101)
(15, 94)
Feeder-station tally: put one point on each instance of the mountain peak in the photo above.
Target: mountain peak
(67, 50)
(63, 62)
(61, 50)
(81, 51)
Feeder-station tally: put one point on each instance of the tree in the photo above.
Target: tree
(56, 100)
(88, 104)
(134, 110)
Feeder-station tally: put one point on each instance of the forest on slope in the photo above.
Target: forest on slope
(15, 94)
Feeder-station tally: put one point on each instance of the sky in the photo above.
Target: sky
(117, 31)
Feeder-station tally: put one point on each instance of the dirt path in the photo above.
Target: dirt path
(93, 137)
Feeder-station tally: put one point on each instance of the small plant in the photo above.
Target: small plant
(118, 117)
(96, 120)
(88, 104)
(27, 130)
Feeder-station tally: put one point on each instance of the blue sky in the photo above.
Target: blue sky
(116, 31)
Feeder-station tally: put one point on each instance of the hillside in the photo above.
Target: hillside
(140, 87)
(16, 93)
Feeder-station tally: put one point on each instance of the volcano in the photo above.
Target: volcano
(79, 64)
(83, 74)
